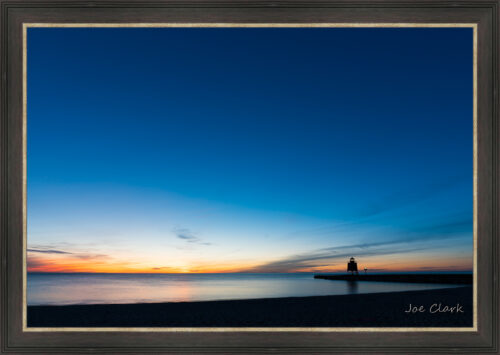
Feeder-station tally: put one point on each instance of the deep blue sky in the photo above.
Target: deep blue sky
(219, 143)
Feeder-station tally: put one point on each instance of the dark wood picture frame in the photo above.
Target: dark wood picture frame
(483, 13)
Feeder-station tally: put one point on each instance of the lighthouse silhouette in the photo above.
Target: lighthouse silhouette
(352, 266)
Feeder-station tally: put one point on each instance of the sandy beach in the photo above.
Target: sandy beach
(359, 310)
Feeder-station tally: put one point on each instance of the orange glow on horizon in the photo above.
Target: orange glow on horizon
(70, 263)
(100, 264)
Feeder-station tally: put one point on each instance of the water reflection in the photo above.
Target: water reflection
(352, 286)
(135, 288)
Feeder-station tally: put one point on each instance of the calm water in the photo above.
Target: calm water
(58, 289)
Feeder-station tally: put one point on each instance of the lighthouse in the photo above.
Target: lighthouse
(352, 266)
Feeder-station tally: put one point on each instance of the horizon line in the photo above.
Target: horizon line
(241, 272)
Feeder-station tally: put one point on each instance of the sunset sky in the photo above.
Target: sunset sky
(249, 150)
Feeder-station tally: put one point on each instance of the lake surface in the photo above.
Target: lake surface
(61, 289)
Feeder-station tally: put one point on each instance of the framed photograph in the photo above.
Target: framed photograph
(240, 177)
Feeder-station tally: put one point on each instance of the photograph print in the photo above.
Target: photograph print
(250, 177)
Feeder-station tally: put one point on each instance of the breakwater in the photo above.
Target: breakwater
(461, 279)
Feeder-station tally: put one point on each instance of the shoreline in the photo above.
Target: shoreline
(357, 310)
(236, 299)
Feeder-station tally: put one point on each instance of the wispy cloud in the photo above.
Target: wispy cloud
(76, 252)
(402, 244)
(188, 236)
(450, 225)
(374, 213)
(48, 251)
(442, 225)
(328, 257)
(408, 197)
(85, 256)
(36, 263)
(52, 258)
(166, 269)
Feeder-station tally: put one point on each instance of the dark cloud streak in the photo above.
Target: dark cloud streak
(442, 230)
(188, 236)
(48, 251)
(402, 199)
